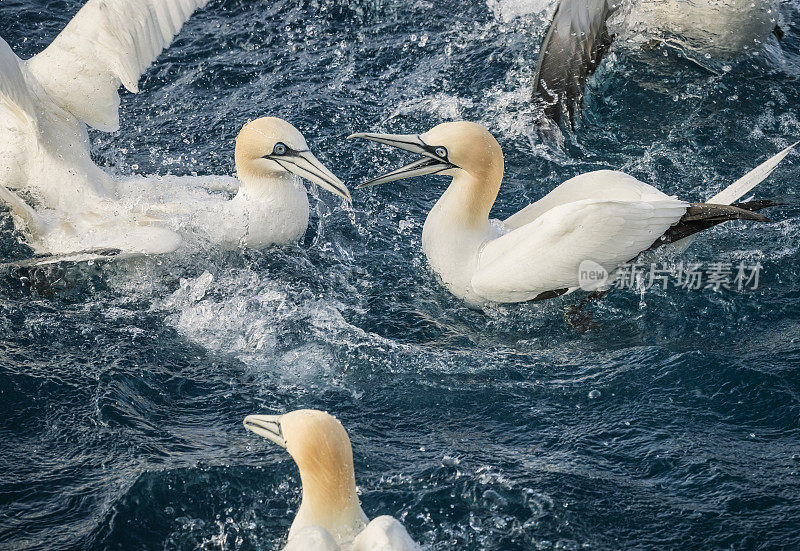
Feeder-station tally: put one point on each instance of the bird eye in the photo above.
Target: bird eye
(441, 152)
(279, 149)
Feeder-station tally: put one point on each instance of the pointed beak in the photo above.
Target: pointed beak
(430, 163)
(305, 165)
(268, 426)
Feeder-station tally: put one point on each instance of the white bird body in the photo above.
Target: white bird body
(383, 533)
(605, 216)
(330, 517)
(273, 212)
(263, 211)
(45, 106)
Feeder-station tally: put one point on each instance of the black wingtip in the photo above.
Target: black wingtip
(702, 216)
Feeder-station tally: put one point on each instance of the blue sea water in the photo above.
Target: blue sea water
(673, 424)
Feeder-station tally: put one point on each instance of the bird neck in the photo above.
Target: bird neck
(468, 200)
(457, 226)
(330, 500)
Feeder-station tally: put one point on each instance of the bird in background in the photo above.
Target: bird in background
(582, 32)
(330, 517)
(607, 217)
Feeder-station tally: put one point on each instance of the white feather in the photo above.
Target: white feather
(545, 254)
(14, 93)
(107, 43)
(739, 189)
(384, 533)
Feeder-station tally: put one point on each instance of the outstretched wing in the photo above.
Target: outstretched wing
(107, 43)
(545, 255)
(571, 51)
(14, 93)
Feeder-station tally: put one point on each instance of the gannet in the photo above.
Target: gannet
(605, 216)
(330, 515)
(81, 211)
(46, 103)
(582, 31)
(271, 205)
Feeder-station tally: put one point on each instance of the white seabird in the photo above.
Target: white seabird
(46, 104)
(270, 206)
(582, 31)
(605, 216)
(330, 517)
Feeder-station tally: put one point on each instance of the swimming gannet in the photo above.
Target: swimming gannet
(330, 515)
(82, 211)
(271, 205)
(605, 216)
(582, 31)
(46, 103)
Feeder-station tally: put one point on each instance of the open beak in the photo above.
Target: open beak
(429, 164)
(305, 165)
(268, 426)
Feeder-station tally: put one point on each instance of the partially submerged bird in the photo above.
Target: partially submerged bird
(582, 31)
(46, 103)
(270, 206)
(66, 204)
(605, 216)
(330, 515)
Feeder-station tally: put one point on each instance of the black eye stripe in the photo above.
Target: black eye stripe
(287, 151)
(435, 150)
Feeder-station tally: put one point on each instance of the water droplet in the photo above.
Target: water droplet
(594, 394)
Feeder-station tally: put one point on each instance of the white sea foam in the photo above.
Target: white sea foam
(507, 10)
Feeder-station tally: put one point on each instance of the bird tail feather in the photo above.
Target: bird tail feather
(740, 188)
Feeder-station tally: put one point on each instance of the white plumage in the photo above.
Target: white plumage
(45, 105)
(604, 216)
(107, 43)
(545, 253)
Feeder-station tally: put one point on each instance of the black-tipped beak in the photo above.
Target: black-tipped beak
(268, 426)
(431, 163)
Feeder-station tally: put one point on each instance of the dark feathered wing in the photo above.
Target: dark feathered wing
(572, 49)
(701, 216)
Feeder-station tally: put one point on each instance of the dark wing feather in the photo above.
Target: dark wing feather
(571, 51)
(701, 216)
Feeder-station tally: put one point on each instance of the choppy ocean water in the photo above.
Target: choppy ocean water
(674, 424)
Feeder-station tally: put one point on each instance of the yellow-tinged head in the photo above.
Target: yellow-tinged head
(468, 146)
(464, 150)
(450, 148)
(269, 146)
(321, 449)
